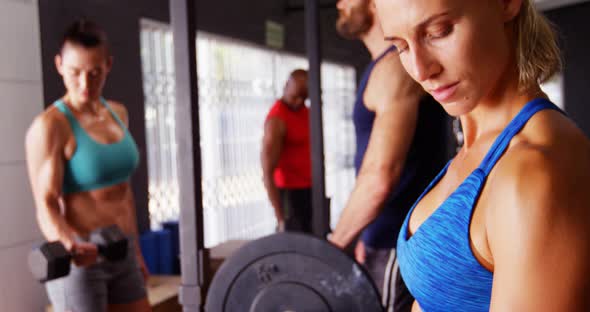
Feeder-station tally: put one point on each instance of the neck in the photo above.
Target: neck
(289, 106)
(374, 41)
(493, 113)
(91, 107)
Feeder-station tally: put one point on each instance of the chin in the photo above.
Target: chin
(459, 107)
(89, 97)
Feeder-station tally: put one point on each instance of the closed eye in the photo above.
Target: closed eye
(439, 32)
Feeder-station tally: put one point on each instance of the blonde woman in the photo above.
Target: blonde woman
(506, 225)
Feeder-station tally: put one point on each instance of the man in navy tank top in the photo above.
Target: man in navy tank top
(401, 142)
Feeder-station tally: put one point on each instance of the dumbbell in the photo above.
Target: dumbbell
(51, 260)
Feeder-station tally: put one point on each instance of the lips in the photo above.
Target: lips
(445, 92)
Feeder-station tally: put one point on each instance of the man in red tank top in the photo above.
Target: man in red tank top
(285, 156)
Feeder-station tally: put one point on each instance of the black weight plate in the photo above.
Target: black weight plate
(291, 272)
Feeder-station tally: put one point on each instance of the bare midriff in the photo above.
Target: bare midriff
(90, 210)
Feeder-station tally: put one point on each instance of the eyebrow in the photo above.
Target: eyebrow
(428, 20)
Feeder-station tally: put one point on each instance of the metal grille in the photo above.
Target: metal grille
(338, 95)
(159, 93)
(235, 93)
(238, 83)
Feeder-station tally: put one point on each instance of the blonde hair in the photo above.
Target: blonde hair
(537, 53)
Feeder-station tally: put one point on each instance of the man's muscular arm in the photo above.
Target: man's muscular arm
(394, 97)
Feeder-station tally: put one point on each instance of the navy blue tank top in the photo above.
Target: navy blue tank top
(436, 262)
(428, 153)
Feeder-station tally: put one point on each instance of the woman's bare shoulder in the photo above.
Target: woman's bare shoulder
(49, 121)
(119, 109)
(548, 162)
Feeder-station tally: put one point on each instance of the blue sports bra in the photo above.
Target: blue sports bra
(436, 262)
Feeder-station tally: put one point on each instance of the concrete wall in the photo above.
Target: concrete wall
(21, 98)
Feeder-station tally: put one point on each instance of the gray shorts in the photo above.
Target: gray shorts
(95, 287)
(396, 296)
(376, 263)
(383, 268)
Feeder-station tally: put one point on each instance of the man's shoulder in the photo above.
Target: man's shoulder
(390, 88)
(387, 67)
(277, 116)
(278, 106)
(275, 110)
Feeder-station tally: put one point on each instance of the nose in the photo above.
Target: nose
(424, 65)
(84, 81)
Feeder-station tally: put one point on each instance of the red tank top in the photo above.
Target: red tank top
(294, 167)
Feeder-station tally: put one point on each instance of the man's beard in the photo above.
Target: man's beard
(357, 23)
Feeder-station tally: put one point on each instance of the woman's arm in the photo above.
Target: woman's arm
(45, 142)
(539, 233)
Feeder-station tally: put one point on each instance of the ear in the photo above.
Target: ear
(109, 64)
(511, 9)
(58, 63)
(372, 7)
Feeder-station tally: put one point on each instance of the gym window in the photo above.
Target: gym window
(238, 83)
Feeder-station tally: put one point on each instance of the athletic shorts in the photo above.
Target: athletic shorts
(396, 296)
(93, 288)
(297, 210)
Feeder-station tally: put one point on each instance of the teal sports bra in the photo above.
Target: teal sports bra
(96, 165)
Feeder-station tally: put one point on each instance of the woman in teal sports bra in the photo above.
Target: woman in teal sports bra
(506, 224)
(80, 158)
